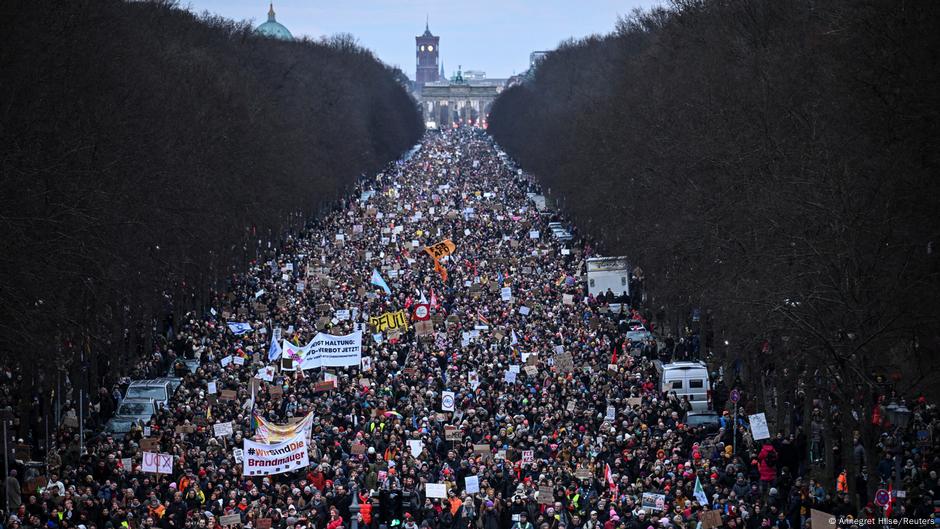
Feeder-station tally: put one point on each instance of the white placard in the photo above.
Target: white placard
(611, 414)
(222, 429)
(416, 446)
(759, 428)
(213, 388)
(157, 463)
(227, 360)
(514, 368)
(534, 234)
(528, 456)
(510, 377)
(436, 490)
(239, 361)
(505, 293)
(471, 484)
(447, 401)
(524, 310)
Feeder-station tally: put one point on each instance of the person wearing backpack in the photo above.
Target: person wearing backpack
(767, 466)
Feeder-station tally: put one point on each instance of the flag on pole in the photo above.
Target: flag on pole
(515, 339)
(609, 478)
(423, 300)
(379, 282)
(274, 352)
(238, 328)
(700, 493)
(434, 302)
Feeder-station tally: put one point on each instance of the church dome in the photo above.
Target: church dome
(273, 29)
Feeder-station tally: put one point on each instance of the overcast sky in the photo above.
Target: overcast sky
(495, 36)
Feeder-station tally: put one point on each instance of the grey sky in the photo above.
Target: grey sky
(495, 36)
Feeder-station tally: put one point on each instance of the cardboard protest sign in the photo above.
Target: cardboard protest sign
(546, 495)
(711, 519)
(149, 445)
(452, 434)
(564, 362)
(228, 394)
(229, 520)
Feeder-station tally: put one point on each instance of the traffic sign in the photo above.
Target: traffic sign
(881, 497)
(735, 396)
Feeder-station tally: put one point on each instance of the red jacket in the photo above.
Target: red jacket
(767, 468)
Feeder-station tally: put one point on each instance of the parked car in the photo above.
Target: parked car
(708, 420)
(190, 364)
(118, 426)
(637, 332)
(160, 390)
(136, 409)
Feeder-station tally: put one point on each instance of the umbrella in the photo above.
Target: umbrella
(393, 413)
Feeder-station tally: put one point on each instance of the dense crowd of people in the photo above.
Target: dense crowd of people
(552, 443)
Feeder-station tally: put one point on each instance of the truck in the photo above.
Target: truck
(608, 273)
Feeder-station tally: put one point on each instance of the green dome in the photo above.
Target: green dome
(273, 29)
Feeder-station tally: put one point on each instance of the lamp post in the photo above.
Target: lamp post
(354, 507)
(899, 416)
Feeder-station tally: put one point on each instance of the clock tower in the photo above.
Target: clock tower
(426, 50)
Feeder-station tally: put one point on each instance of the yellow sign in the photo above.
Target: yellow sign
(389, 320)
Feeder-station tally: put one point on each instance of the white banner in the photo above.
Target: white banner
(268, 459)
(157, 463)
(326, 350)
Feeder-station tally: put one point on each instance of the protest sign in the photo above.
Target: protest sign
(546, 495)
(471, 484)
(654, 502)
(436, 490)
(222, 429)
(710, 519)
(157, 463)
(229, 520)
(759, 428)
(389, 320)
(268, 459)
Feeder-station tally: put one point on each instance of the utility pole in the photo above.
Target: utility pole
(6, 415)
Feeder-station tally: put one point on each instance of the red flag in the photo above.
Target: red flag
(613, 357)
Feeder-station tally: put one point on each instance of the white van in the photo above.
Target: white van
(688, 379)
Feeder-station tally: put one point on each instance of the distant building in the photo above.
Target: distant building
(474, 75)
(427, 52)
(272, 28)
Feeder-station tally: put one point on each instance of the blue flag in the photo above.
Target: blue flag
(239, 328)
(274, 352)
(379, 282)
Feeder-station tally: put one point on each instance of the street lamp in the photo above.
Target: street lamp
(354, 507)
(899, 416)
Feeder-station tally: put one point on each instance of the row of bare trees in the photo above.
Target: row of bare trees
(772, 162)
(147, 153)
